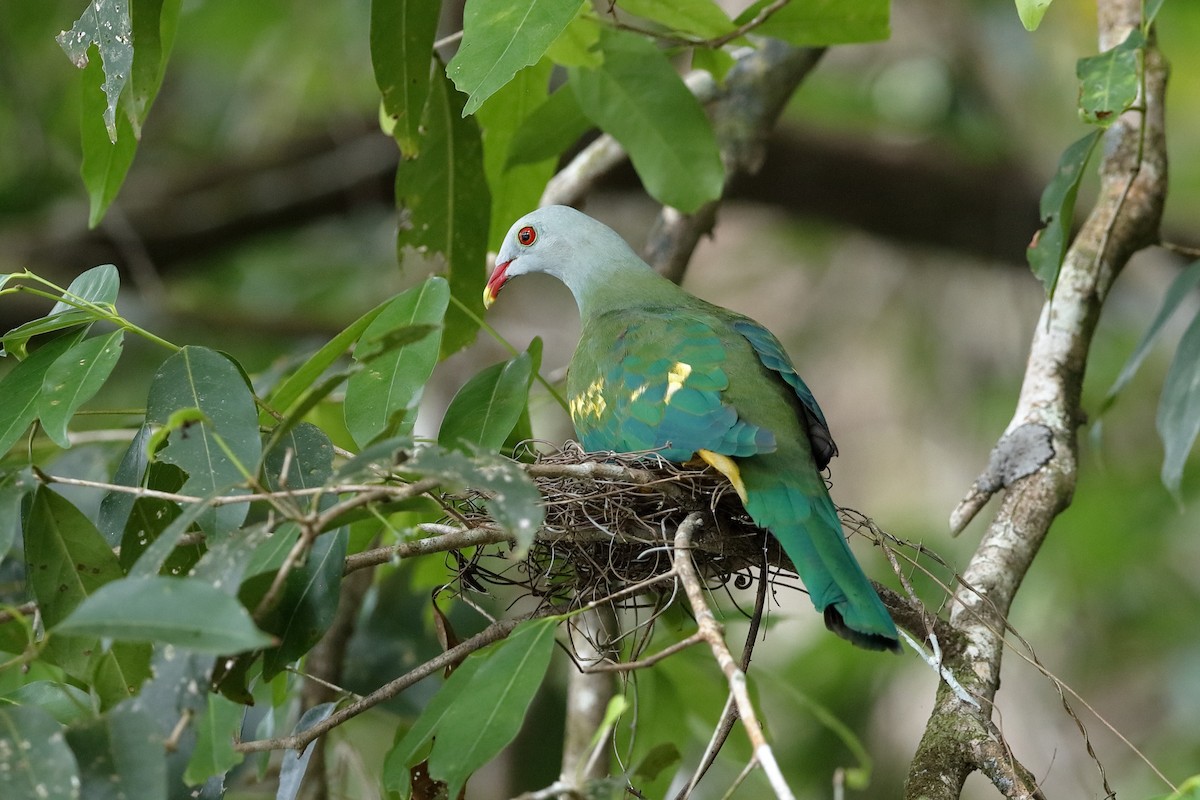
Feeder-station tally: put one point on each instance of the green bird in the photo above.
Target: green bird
(659, 369)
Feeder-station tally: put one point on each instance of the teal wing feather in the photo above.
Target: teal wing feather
(774, 357)
(654, 381)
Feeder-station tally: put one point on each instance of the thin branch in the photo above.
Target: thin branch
(492, 633)
(714, 634)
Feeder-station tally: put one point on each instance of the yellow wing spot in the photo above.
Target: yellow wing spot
(676, 378)
(727, 467)
(591, 403)
(636, 393)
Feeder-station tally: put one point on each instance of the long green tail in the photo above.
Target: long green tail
(801, 515)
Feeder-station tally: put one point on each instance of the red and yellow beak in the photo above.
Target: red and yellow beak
(494, 284)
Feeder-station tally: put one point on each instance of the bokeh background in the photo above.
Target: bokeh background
(883, 242)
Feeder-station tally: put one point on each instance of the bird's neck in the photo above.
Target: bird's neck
(617, 285)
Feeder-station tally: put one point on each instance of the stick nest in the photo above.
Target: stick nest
(610, 519)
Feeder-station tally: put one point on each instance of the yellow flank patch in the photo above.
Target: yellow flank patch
(727, 467)
(676, 378)
(591, 403)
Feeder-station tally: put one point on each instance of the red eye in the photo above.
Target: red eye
(527, 235)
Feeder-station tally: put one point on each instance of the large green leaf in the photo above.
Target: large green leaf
(216, 732)
(1109, 81)
(64, 702)
(500, 38)
(110, 141)
(636, 96)
(120, 756)
(515, 188)
(1179, 407)
(402, 33)
(488, 712)
(67, 561)
(381, 398)
(449, 208)
(817, 23)
(217, 453)
(73, 379)
(1057, 207)
(410, 749)
(487, 407)
(21, 389)
(35, 761)
(184, 612)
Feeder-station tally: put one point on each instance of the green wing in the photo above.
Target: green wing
(773, 357)
(652, 380)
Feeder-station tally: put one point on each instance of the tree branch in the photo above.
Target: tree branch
(959, 738)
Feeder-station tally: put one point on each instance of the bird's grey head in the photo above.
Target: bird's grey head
(562, 242)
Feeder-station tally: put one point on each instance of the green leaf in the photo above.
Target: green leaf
(115, 507)
(98, 286)
(636, 96)
(284, 397)
(67, 558)
(578, 45)
(488, 713)
(392, 382)
(515, 188)
(515, 502)
(64, 702)
(291, 774)
(35, 761)
(21, 388)
(410, 749)
(14, 485)
(154, 26)
(549, 129)
(73, 379)
(449, 208)
(500, 38)
(105, 161)
(309, 602)
(817, 23)
(215, 735)
(1179, 407)
(162, 549)
(184, 612)
(110, 142)
(402, 34)
(120, 754)
(701, 18)
(487, 407)
(108, 25)
(1180, 288)
(1045, 254)
(219, 452)
(1031, 12)
(1109, 81)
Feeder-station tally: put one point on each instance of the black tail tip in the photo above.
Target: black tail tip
(867, 641)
